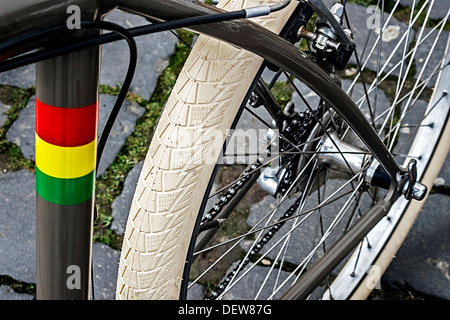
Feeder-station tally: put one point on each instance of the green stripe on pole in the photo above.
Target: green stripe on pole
(65, 191)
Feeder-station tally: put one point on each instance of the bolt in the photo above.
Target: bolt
(348, 32)
(305, 33)
(338, 11)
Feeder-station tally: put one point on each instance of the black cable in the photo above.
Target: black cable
(49, 53)
(44, 54)
(280, 6)
(121, 97)
(122, 94)
(122, 32)
(118, 33)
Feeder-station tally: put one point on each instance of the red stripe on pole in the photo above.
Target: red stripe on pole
(66, 127)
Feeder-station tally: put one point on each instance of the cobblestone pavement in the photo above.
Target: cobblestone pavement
(421, 265)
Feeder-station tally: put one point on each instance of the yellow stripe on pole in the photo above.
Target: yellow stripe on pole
(65, 162)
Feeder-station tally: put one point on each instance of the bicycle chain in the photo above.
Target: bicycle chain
(231, 192)
(256, 249)
(293, 134)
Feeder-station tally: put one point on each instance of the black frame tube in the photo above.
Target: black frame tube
(64, 231)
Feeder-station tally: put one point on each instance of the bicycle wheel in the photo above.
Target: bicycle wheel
(314, 172)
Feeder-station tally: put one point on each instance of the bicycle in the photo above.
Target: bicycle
(306, 150)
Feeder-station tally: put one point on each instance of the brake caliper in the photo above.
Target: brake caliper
(332, 44)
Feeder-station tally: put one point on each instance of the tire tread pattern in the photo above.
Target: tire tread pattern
(180, 160)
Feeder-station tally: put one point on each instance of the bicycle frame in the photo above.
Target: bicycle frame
(64, 229)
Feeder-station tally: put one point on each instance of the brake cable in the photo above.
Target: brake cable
(44, 54)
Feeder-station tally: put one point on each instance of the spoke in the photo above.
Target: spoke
(418, 79)
(268, 126)
(422, 85)
(304, 262)
(253, 230)
(419, 126)
(356, 209)
(378, 68)
(262, 231)
(405, 49)
(391, 122)
(412, 104)
(330, 229)
(374, 46)
(268, 162)
(287, 240)
(372, 86)
(330, 199)
(358, 63)
(319, 122)
(399, 42)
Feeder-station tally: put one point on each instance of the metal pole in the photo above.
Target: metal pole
(66, 137)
